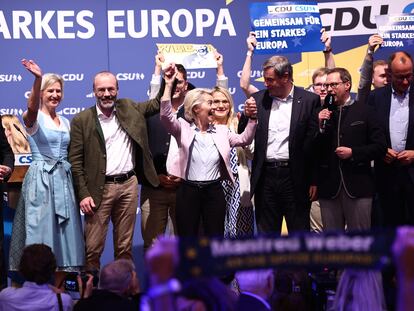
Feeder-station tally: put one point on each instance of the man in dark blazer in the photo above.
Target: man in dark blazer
(6, 167)
(346, 145)
(158, 203)
(281, 169)
(108, 150)
(394, 105)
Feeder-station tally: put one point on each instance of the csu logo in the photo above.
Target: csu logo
(23, 159)
(128, 76)
(10, 78)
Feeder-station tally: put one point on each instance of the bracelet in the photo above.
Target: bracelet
(172, 286)
(249, 53)
(327, 50)
(370, 52)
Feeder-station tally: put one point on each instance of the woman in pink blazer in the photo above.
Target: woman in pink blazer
(203, 161)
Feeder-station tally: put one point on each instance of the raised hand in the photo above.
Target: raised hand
(159, 59)
(219, 58)
(374, 41)
(170, 73)
(326, 39)
(31, 66)
(251, 41)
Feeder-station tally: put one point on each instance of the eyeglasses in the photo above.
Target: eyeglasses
(319, 85)
(333, 85)
(101, 91)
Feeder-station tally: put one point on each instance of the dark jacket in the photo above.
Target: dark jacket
(356, 127)
(104, 300)
(380, 99)
(87, 151)
(304, 108)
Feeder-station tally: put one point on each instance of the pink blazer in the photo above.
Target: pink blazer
(223, 138)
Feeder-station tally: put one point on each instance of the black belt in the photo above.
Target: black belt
(273, 164)
(201, 184)
(117, 179)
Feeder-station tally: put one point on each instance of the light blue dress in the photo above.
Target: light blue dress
(47, 211)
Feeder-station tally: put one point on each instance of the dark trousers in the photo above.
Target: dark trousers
(274, 198)
(396, 196)
(396, 201)
(200, 201)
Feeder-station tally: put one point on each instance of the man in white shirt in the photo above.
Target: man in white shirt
(281, 169)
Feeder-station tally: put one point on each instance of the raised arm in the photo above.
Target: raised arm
(245, 85)
(156, 76)
(327, 51)
(167, 117)
(222, 80)
(33, 103)
(365, 80)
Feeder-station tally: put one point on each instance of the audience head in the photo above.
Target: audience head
(51, 90)
(400, 70)
(318, 82)
(223, 106)
(278, 76)
(258, 282)
(359, 290)
(119, 277)
(339, 84)
(379, 73)
(37, 264)
(198, 104)
(105, 88)
(16, 138)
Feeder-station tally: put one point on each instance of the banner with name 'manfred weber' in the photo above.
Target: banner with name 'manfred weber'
(286, 27)
(397, 30)
(217, 256)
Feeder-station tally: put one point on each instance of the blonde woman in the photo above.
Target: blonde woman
(239, 212)
(204, 160)
(47, 211)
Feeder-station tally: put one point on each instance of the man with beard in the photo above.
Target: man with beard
(108, 150)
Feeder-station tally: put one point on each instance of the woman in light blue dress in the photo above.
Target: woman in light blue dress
(47, 211)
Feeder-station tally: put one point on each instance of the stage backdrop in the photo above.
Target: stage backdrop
(80, 38)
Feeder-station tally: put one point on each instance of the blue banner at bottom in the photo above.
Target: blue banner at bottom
(217, 256)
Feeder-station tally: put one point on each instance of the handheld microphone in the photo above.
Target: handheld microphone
(20, 131)
(329, 103)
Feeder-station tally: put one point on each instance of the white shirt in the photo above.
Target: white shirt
(120, 153)
(279, 128)
(204, 159)
(399, 111)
